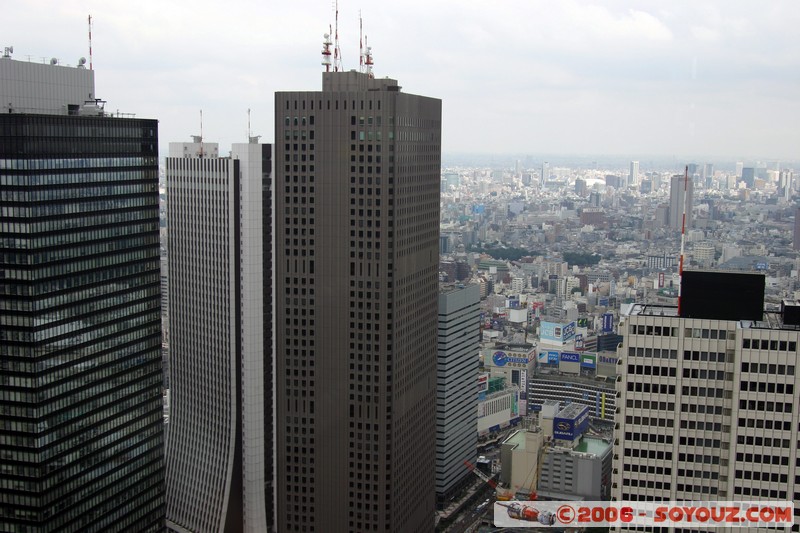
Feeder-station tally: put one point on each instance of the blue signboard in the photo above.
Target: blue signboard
(552, 357)
(571, 428)
(570, 357)
(589, 360)
(568, 331)
(535, 407)
(608, 322)
(605, 359)
(579, 341)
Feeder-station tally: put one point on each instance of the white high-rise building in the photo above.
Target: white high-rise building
(676, 202)
(219, 440)
(708, 404)
(633, 176)
(456, 395)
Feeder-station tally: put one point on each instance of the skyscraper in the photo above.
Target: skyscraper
(633, 176)
(356, 267)
(456, 397)
(708, 402)
(676, 201)
(81, 424)
(219, 446)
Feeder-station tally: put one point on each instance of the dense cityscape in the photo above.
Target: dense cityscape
(347, 329)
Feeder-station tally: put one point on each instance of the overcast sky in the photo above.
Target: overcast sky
(673, 78)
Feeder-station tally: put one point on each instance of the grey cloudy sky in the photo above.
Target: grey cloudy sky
(678, 77)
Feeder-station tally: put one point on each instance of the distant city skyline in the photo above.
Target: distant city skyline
(685, 80)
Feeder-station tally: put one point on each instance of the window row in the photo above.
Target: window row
(765, 344)
(659, 331)
(703, 333)
(771, 369)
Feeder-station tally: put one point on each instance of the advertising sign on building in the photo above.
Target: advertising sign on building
(552, 357)
(579, 341)
(607, 360)
(570, 357)
(542, 358)
(568, 332)
(660, 280)
(568, 428)
(589, 360)
(608, 322)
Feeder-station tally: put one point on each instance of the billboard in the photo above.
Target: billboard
(570, 357)
(570, 427)
(501, 358)
(607, 360)
(583, 322)
(568, 332)
(552, 357)
(660, 280)
(608, 322)
(554, 332)
(722, 295)
(550, 331)
(579, 341)
(589, 360)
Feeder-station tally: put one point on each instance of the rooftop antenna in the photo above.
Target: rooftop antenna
(326, 50)
(248, 123)
(337, 52)
(365, 52)
(683, 235)
(360, 43)
(201, 133)
(368, 58)
(90, 43)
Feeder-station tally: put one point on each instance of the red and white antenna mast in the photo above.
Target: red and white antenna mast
(368, 58)
(90, 43)
(360, 43)
(326, 51)
(365, 52)
(683, 235)
(337, 52)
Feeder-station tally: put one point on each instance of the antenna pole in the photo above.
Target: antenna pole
(683, 235)
(201, 133)
(90, 43)
(337, 53)
(360, 43)
(326, 50)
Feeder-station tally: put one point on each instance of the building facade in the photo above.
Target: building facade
(81, 425)
(219, 447)
(357, 248)
(677, 190)
(456, 395)
(708, 408)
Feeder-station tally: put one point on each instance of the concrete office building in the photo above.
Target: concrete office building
(708, 407)
(81, 426)
(357, 251)
(456, 395)
(219, 447)
(676, 201)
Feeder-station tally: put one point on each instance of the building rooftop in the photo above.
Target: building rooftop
(592, 445)
(572, 410)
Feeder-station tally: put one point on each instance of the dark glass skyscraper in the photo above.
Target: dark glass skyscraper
(81, 424)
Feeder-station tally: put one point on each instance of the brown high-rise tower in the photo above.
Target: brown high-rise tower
(356, 247)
